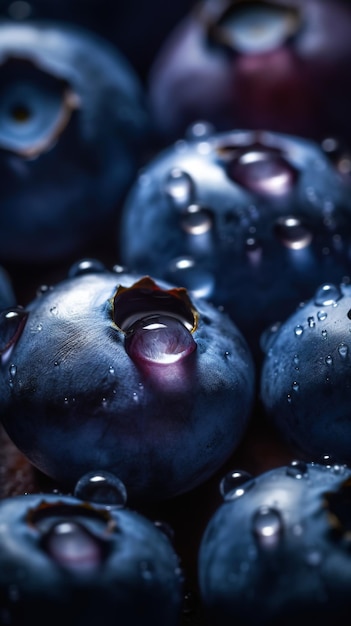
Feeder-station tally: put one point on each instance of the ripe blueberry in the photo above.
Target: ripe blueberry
(253, 221)
(79, 562)
(277, 551)
(72, 118)
(117, 372)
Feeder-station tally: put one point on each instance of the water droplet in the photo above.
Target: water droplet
(297, 469)
(321, 316)
(86, 266)
(38, 327)
(119, 269)
(343, 350)
(329, 359)
(54, 310)
(111, 369)
(324, 334)
(298, 330)
(327, 295)
(311, 322)
(159, 339)
(179, 188)
(235, 484)
(295, 386)
(292, 233)
(296, 360)
(101, 488)
(262, 171)
(200, 130)
(289, 398)
(197, 220)
(267, 526)
(71, 546)
(13, 370)
(327, 460)
(197, 280)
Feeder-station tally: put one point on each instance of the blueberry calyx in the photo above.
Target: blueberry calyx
(145, 298)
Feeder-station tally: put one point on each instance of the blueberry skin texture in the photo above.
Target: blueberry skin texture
(247, 64)
(72, 399)
(299, 572)
(305, 378)
(71, 134)
(264, 238)
(136, 579)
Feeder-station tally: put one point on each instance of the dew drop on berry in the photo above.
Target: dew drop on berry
(179, 188)
(322, 316)
(298, 330)
(199, 131)
(196, 220)
(86, 266)
(235, 484)
(159, 339)
(297, 469)
(327, 295)
(263, 172)
(343, 350)
(71, 546)
(12, 322)
(292, 233)
(267, 526)
(197, 280)
(101, 488)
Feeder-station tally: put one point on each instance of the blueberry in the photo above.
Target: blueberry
(278, 550)
(305, 378)
(253, 221)
(280, 66)
(113, 371)
(72, 125)
(74, 562)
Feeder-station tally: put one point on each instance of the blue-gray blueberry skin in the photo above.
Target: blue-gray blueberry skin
(305, 382)
(71, 562)
(73, 400)
(73, 124)
(279, 553)
(253, 221)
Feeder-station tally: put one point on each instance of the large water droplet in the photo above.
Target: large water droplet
(298, 330)
(159, 339)
(263, 171)
(327, 295)
(179, 188)
(321, 316)
(343, 350)
(292, 233)
(235, 484)
(197, 220)
(267, 526)
(71, 546)
(101, 488)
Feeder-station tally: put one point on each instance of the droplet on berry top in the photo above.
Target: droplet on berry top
(71, 546)
(159, 339)
(234, 484)
(179, 188)
(267, 526)
(262, 171)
